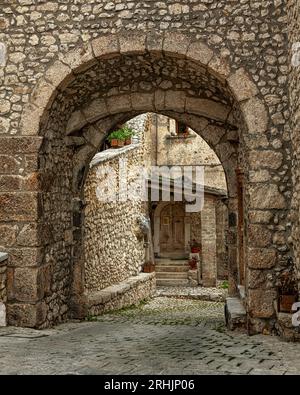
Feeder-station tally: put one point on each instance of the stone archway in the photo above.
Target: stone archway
(84, 94)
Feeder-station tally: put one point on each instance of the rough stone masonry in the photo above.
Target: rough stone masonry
(70, 71)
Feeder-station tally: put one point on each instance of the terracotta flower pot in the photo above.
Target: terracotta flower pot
(193, 265)
(148, 268)
(114, 143)
(121, 143)
(128, 141)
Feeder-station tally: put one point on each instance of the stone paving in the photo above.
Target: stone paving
(199, 293)
(163, 336)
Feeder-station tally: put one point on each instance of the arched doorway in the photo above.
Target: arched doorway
(85, 94)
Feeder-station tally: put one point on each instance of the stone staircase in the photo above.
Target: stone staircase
(172, 272)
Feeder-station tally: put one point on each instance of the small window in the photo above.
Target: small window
(181, 128)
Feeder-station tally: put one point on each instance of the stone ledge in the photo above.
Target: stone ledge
(235, 314)
(126, 293)
(3, 258)
(111, 153)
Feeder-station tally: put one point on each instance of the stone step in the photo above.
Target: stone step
(172, 283)
(168, 262)
(235, 313)
(175, 269)
(171, 275)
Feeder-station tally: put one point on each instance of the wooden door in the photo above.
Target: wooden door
(172, 228)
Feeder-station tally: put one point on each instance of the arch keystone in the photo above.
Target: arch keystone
(143, 102)
(106, 46)
(175, 101)
(132, 43)
(154, 42)
(176, 44)
(241, 85)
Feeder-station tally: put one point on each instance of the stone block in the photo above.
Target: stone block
(26, 315)
(116, 104)
(2, 314)
(176, 44)
(256, 115)
(261, 303)
(261, 258)
(259, 236)
(76, 122)
(18, 206)
(219, 67)
(3, 54)
(26, 287)
(154, 42)
(8, 234)
(142, 101)
(265, 159)
(266, 197)
(9, 164)
(59, 75)
(241, 85)
(20, 145)
(25, 257)
(132, 43)
(79, 59)
(207, 108)
(175, 101)
(159, 100)
(200, 52)
(95, 110)
(106, 46)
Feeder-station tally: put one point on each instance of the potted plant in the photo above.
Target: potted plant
(128, 134)
(148, 267)
(287, 292)
(193, 263)
(113, 139)
(116, 138)
(195, 247)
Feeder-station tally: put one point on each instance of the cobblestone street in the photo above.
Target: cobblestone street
(163, 336)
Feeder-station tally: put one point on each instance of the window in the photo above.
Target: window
(181, 128)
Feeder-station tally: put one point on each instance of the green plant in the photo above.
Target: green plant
(127, 132)
(121, 134)
(116, 135)
(224, 285)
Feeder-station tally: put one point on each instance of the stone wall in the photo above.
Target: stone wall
(221, 229)
(113, 244)
(171, 150)
(230, 57)
(127, 293)
(3, 288)
(294, 84)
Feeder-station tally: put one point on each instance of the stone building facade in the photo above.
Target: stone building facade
(204, 227)
(71, 71)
